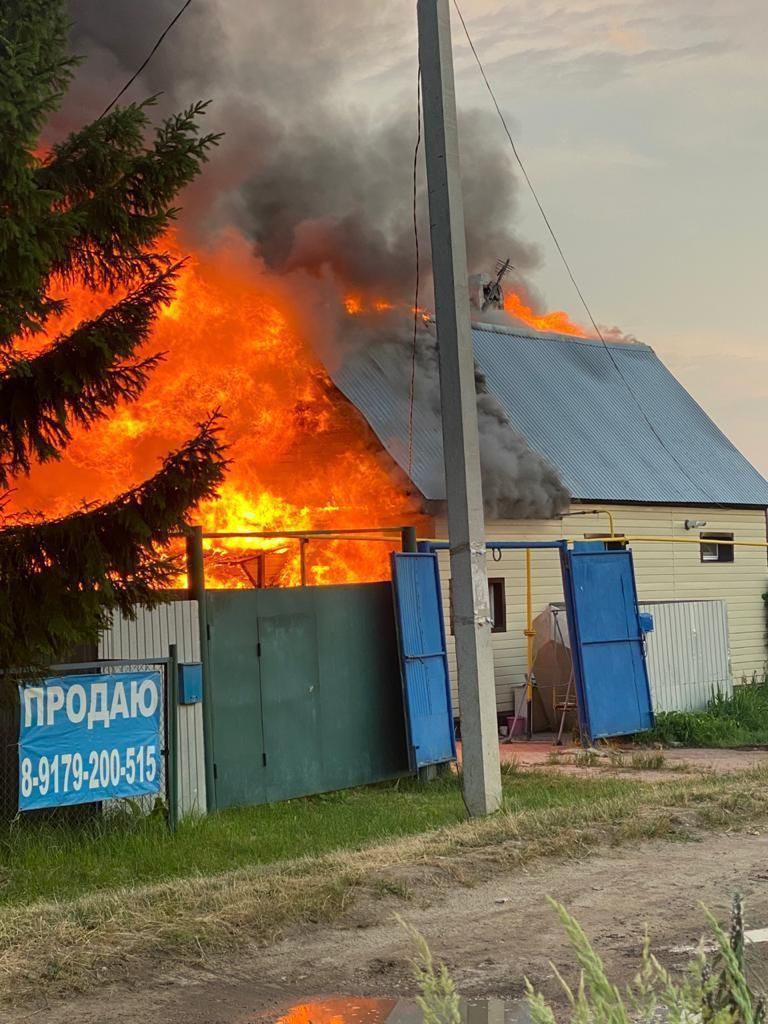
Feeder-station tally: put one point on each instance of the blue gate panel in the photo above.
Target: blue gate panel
(607, 640)
(616, 674)
(421, 637)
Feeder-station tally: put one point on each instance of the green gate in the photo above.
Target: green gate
(306, 691)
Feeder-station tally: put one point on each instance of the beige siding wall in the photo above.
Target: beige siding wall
(665, 572)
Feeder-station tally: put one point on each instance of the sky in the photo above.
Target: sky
(644, 127)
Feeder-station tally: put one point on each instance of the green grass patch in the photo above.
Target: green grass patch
(740, 720)
(43, 862)
(649, 762)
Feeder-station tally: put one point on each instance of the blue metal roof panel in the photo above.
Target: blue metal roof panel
(611, 418)
(381, 390)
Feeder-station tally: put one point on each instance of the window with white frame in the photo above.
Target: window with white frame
(714, 549)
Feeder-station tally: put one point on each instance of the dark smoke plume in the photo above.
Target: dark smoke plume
(323, 190)
(517, 483)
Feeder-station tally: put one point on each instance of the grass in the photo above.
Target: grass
(68, 943)
(648, 762)
(45, 862)
(713, 988)
(740, 720)
(610, 758)
(586, 759)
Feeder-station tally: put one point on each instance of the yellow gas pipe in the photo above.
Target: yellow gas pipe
(529, 635)
(593, 512)
(699, 540)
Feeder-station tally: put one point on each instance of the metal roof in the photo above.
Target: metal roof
(611, 419)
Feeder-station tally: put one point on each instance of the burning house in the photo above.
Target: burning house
(614, 449)
(333, 420)
(295, 316)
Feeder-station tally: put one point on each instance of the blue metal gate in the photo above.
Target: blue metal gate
(421, 637)
(606, 643)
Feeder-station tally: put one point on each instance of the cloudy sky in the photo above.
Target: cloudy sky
(644, 126)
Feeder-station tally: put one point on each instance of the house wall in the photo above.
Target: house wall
(665, 572)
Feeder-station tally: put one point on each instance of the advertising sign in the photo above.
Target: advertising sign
(88, 738)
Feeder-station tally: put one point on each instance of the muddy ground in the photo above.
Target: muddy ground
(541, 752)
(490, 946)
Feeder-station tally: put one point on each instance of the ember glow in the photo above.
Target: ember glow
(302, 458)
(356, 305)
(557, 321)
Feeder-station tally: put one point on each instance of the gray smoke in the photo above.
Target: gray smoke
(322, 188)
(517, 482)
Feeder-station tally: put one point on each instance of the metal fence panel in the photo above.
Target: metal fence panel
(152, 631)
(307, 694)
(149, 635)
(688, 653)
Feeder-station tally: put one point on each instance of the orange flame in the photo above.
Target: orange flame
(355, 304)
(302, 458)
(557, 321)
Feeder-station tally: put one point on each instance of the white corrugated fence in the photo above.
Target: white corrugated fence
(688, 653)
(149, 635)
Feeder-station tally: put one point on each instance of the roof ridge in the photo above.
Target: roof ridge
(534, 335)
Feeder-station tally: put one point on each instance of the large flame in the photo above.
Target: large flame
(301, 457)
(557, 321)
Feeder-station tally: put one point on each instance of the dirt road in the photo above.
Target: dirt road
(489, 946)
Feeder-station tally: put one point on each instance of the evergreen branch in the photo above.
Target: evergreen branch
(77, 380)
(95, 153)
(92, 212)
(34, 71)
(131, 204)
(93, 209)
(60, 580)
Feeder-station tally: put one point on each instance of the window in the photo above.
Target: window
(712, 550)
(612, 543)
(497, 596)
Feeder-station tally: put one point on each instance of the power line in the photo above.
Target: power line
(566, 264)
(148, 58)
(412, 391)
(525, 173)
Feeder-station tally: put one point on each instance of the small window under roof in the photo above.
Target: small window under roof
(713, 549)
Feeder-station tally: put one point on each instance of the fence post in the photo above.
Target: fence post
(195, 564)
(172, 711)
(196, 576)
(408, 539)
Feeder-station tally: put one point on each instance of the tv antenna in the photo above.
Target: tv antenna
(492, 292)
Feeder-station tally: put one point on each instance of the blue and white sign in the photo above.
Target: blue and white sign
(89, 738)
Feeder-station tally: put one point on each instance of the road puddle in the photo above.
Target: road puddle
(352, 1010)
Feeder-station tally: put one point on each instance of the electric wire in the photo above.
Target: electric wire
(528, 181)
(562, 255)
(147, 59)
(412, 390)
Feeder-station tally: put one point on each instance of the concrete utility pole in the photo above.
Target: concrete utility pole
(461, 445)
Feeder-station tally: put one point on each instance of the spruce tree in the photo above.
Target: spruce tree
(91, 212)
